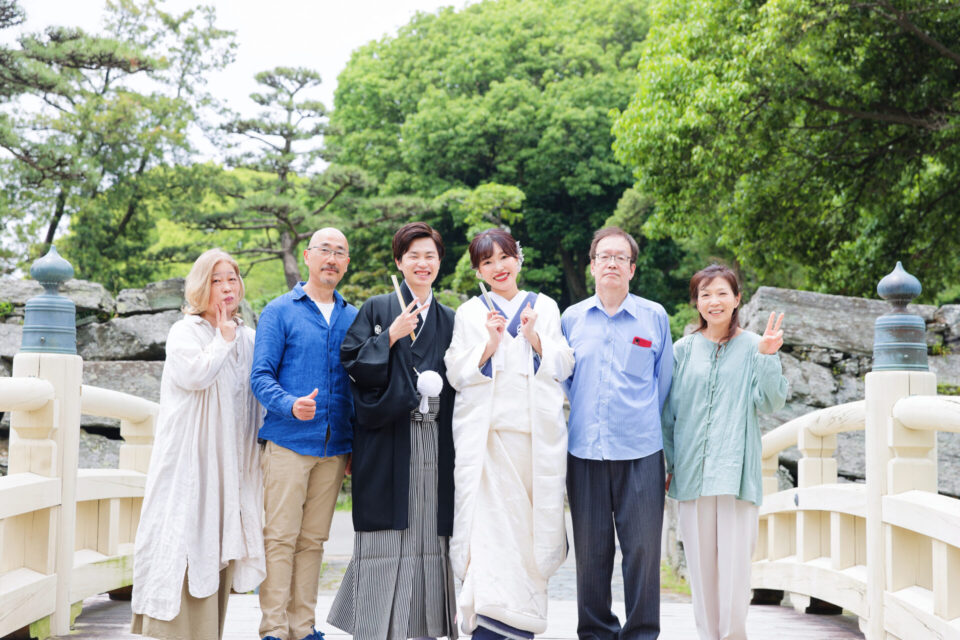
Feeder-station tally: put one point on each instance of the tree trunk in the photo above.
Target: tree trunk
(55, 221)
(574, 268)
(291, 271)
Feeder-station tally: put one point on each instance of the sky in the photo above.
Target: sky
(317, 34)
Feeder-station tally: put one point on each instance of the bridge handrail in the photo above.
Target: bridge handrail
(24, 394)
(67, 533)
(929, 413)
(820, 423)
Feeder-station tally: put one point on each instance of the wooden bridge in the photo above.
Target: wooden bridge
(887, 551)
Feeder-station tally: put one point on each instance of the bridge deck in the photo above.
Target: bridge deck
(103, 619)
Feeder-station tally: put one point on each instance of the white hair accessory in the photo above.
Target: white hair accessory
(429, 384)
(519, 253)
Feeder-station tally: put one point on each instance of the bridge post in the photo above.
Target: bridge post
(900, 370)
(46, 441)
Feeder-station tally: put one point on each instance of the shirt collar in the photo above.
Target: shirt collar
(629, 305)
(299, 294)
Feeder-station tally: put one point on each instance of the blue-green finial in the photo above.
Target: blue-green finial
(899, 337)
(898, 288)
(51, 271)
(50, 319)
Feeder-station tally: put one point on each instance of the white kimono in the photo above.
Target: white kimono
(204, 496)
(510, 436)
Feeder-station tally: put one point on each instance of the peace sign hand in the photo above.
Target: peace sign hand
(772, 338)
(528, 318)
(226, 324)
(405, 323)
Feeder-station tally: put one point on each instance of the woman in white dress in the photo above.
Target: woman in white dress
(200, 526)
(507, 360)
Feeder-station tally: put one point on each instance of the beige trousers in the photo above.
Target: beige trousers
(719, 534)
(198, 619)
(299, 496)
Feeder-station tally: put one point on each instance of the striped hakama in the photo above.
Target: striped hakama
(399, 584)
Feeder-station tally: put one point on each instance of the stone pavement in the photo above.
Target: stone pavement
(103, 619)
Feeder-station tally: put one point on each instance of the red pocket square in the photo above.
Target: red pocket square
(641, 342)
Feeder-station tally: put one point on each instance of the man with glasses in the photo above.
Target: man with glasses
(307, 433)
(615, 475)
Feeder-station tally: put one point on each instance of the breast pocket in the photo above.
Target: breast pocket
(640, 362)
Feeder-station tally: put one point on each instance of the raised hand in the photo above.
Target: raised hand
(405, 323)
(496, 324)
(305, 407)
(226, 324)
(528, 319)
(772, 338)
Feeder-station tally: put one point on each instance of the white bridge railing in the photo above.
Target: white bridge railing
(887, 550)
(65, 534)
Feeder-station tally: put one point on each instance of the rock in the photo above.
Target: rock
(807, 381)
(136, 377)
(6, 367)
(98, 452)
(850, 389)
(11, 336)
(839, 323)
(948, 469)
(156, 296)
(949, 316)
(139, 337)
(946, 367)
(88, 296)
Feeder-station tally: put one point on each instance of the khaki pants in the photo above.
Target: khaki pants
(198, 619)
(719, 535)
(299, 496)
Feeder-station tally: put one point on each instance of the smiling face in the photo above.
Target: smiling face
(420, 263)
(716, 302)
(500, 271)
(327, 257)
(224, 288)
(612, 266)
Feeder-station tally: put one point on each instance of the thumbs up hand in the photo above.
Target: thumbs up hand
(304, 408)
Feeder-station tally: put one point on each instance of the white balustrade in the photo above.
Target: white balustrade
(65, 534)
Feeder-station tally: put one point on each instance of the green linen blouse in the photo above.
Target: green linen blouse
(711, 435)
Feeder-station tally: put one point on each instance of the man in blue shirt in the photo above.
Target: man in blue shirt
(615, 474)
(308, 433)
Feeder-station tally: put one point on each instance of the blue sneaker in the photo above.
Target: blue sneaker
(313, 635)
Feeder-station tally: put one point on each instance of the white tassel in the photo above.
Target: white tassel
(429, 384)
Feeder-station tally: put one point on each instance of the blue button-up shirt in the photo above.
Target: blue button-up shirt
(297, 351)
(621, 377)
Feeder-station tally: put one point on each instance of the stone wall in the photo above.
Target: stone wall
(121, 340)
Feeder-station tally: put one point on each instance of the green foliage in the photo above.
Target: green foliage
(679, 319)
(514, 92)
(6, 308)
(944, 389)
(116, 109)
(809, 138)
(282, 202)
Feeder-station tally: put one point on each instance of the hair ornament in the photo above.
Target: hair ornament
(519, 253)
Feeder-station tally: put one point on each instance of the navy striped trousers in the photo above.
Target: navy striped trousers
(626, 496)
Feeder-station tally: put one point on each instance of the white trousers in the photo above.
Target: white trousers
(719, 534)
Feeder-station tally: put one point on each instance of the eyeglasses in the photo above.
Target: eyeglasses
(326, 252)
(604, 258)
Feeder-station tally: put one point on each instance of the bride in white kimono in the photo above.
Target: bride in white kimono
(507, 364)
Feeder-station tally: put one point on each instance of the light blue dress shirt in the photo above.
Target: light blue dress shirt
(621, 378)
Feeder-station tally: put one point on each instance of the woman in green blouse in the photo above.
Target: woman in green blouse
(722, 377)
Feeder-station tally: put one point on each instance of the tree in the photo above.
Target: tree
(815, 137)
(515, 92)
(111, 109)
(286, 199)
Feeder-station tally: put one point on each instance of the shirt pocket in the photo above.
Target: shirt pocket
(639, 362)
